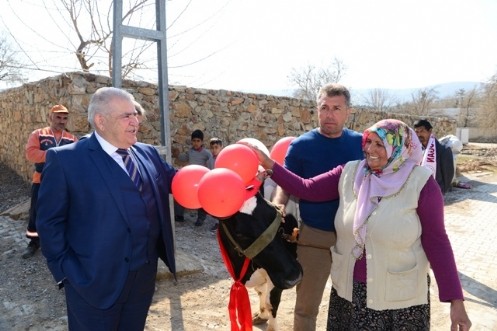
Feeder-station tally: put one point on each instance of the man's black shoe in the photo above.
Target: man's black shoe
(30, 250)
(179, 219)
(199, 222)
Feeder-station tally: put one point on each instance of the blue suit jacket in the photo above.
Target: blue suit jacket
(82, 221)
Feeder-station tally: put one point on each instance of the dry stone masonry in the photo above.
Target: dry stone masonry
(229, 115)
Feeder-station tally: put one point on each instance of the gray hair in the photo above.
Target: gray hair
(139, 108)
(99, 103)
(333, 90)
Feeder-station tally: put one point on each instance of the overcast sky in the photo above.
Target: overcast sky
(253, 45)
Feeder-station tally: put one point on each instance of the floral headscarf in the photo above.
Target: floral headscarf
(404, 152)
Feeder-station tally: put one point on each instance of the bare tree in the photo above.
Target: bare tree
(422, 100)
(93, 29)
(488, 116)
(81, 36)
(467, 101)
(10, 67)
(379, 99)
(309, 79)
(459, 97)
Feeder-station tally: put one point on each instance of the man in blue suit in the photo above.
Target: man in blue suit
(104, 218)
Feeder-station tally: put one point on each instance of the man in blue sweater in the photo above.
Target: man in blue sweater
(313, 153)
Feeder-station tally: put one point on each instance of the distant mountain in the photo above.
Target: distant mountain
(402, 95)
(449, 89)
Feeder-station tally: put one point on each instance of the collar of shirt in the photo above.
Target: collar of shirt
(111, 150)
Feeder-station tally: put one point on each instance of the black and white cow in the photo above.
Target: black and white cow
(264, 287)
(256, 232)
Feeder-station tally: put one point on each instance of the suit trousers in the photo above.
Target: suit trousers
(316, 265)
(129, 313)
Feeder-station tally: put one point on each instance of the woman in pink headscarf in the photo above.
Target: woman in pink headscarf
(390, 230)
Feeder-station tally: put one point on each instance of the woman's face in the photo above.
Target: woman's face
(376, 154)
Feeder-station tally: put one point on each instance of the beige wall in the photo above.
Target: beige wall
(228, 115)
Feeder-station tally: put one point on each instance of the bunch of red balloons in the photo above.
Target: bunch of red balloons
(278, 151)
(222, 191)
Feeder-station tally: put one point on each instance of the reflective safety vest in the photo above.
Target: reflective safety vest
(42, 140)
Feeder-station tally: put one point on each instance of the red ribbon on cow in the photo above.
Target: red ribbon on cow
(239, 304)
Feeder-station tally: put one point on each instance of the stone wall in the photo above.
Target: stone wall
(228, 115)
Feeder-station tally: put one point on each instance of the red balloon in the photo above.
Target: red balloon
(252, 188)
(278, 151)
(239, 158)
(221, 192)
(185, 185)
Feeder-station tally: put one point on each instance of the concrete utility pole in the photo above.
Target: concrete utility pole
(159, 35)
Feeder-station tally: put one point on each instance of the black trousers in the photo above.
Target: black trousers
(31, 230)
(179, 210)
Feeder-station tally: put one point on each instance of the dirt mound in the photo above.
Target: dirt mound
(477, 157)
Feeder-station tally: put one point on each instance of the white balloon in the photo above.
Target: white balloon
(257, 143)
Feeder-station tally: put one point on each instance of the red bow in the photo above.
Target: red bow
(239, 304)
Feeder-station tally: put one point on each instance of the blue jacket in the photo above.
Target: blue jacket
(82, 219)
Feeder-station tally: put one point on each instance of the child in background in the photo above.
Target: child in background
(216, 145)
(199, 155)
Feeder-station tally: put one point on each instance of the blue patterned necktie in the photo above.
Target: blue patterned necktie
(131, 168)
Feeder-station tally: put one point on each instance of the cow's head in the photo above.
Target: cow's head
(245, 227)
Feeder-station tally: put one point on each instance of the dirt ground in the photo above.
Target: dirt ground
(29, 299)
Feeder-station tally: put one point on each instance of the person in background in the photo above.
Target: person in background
(308, 155)
(216, 145)
(104, 218)
(39, 141)
(390, 231)
(437, 157)
(198, 155)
